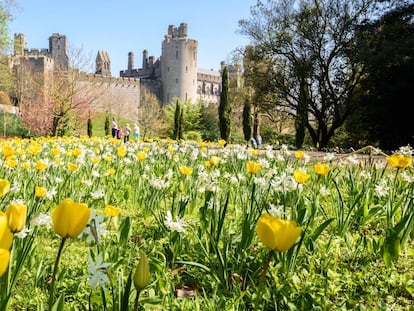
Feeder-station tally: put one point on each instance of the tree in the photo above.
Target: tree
(247, 120)
(385, 47)
(224, 109)
(178, 120)
(5, 18)
(107, 125)
(310, 49)
(62, 95)
(151, 116)
(209, 126)
(89, 127)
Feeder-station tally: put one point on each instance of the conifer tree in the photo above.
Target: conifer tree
(224, 107)
(247, 120)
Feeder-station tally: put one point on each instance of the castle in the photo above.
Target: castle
(173, 75)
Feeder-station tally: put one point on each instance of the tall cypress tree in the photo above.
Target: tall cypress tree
(247, 120)
(224, 107)
(178, 120)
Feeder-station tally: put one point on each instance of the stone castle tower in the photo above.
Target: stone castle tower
(57, 51)
(175, 73)
(179, 65)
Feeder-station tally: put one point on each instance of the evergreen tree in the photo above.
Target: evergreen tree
(107, 126)
(89, 127)
(224, 107)
(385, 47)
(178, 120)
(247, 120)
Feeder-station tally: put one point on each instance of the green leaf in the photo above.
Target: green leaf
(195, 264)
(126, 293)
(59, 303)
(320, 229)
(124, 230)
(391, 249)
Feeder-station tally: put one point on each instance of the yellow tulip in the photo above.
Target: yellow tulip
(95, 160)
(55, 151)
(16, 214)
(252, 167)
(300, 177)
(221, 142)
(4, 187)
(299, 154)
(77, 152)
(399, 161)
(121, 151)
(72, 167)
(141, 275)
(26, 165)
(40, 192)
(185, 170)
(70, 218)
(6, 236)
(321, 169)
(110, 171)
(112, 211)
(40, 165)
(214, 160)
(141, 155)
(4, 260)
(171, 149)
(11, 162)
(8, 151)
(277, 234)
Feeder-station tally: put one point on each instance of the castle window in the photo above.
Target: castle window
(176, 54)
(176, 80)
(186, 68)
(168, 69)
(186, 96)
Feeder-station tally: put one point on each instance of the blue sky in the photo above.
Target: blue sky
(124, 26)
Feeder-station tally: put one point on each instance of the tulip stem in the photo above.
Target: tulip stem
(55, 267)
(136, 300)
(263, 275)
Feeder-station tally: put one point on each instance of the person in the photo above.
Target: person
(119, 133)
(136, 131)
(253, 143)
(127, 132)
(259, 140)
(114, 128)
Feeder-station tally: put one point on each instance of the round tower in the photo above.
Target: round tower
(130, 61)
(179, 65)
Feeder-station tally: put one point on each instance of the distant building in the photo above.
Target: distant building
(176, 70)
(173, 75)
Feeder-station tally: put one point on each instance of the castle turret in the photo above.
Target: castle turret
(130, 61)
(19, 44)
(103, 64)
(58, 51)
(144, 59)
(179, 65)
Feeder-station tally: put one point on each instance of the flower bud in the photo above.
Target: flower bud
(16, 214)
(141, 275)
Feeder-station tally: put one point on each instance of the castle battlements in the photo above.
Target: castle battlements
(122, 81)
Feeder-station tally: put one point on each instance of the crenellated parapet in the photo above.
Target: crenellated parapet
(115, 81)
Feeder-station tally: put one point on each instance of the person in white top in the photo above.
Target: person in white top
(136, 131)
